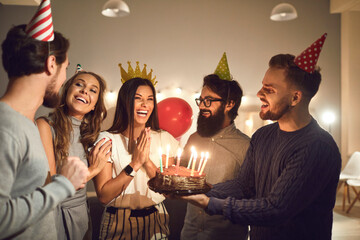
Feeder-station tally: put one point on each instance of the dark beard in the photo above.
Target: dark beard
(276, 115)
(207, 127)
(51, 98)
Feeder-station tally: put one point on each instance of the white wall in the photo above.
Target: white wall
(350, 22)
(183, 40)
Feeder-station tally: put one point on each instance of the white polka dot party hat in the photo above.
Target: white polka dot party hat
(40, 26)
(222, 69)
(307, 59)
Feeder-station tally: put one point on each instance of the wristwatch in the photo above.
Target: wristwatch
(129, 171)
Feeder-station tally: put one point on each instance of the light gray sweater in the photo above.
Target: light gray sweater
(26, 206)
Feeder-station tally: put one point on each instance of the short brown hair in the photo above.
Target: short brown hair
(308, 83)
(23, 55)
(227, 90)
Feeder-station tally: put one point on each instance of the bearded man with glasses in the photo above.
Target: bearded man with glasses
(217, 134)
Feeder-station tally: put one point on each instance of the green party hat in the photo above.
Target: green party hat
(222, 69)
(78, 68)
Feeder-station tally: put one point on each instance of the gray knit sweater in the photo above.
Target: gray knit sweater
(26, 207)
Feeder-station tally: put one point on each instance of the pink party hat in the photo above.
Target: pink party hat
(41, 27)
(307, 59)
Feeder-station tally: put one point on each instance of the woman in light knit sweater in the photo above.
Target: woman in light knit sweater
(71, 129)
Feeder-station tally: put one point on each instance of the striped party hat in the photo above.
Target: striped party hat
(41, 27)
(307, 59)
(78, 68)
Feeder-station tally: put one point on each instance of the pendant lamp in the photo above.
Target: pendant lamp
(115, 8)
(283, 12)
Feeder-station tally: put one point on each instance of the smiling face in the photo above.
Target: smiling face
(143, 105)
(207, 112)
(82, 95)
(210, 119)
(275, 95)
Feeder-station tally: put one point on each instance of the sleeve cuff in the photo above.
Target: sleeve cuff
(215, 206)
(212, 191)
(65, 187)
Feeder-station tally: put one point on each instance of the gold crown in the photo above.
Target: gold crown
(125, 76)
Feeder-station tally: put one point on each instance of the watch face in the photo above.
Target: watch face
(129, 171)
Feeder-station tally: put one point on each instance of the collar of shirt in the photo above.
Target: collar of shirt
(223, 132)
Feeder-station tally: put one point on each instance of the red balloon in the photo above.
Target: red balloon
(175, 116)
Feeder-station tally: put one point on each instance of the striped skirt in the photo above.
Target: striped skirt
(145, 224)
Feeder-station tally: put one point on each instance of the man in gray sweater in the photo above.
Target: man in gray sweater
(36, 71)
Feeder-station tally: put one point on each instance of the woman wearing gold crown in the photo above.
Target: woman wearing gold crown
(133, 211)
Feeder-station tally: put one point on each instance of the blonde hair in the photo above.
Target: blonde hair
(90, 125)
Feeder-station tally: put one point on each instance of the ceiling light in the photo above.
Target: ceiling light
(115, 8)
(283, 12)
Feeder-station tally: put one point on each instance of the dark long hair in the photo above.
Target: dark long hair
(124, 114)
(90, 125)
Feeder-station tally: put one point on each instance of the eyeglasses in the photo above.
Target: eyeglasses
(207, 101)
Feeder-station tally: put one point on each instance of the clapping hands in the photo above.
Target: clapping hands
(142, 149)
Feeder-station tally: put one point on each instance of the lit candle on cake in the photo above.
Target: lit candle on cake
(201, 161)
(160, 155)
(167, 155)
(191, 157)
(193, 164)
(178, 160)
(205, 161)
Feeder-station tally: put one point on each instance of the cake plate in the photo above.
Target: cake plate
(162, 189)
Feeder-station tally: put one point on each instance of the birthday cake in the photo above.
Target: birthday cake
(178, 180)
